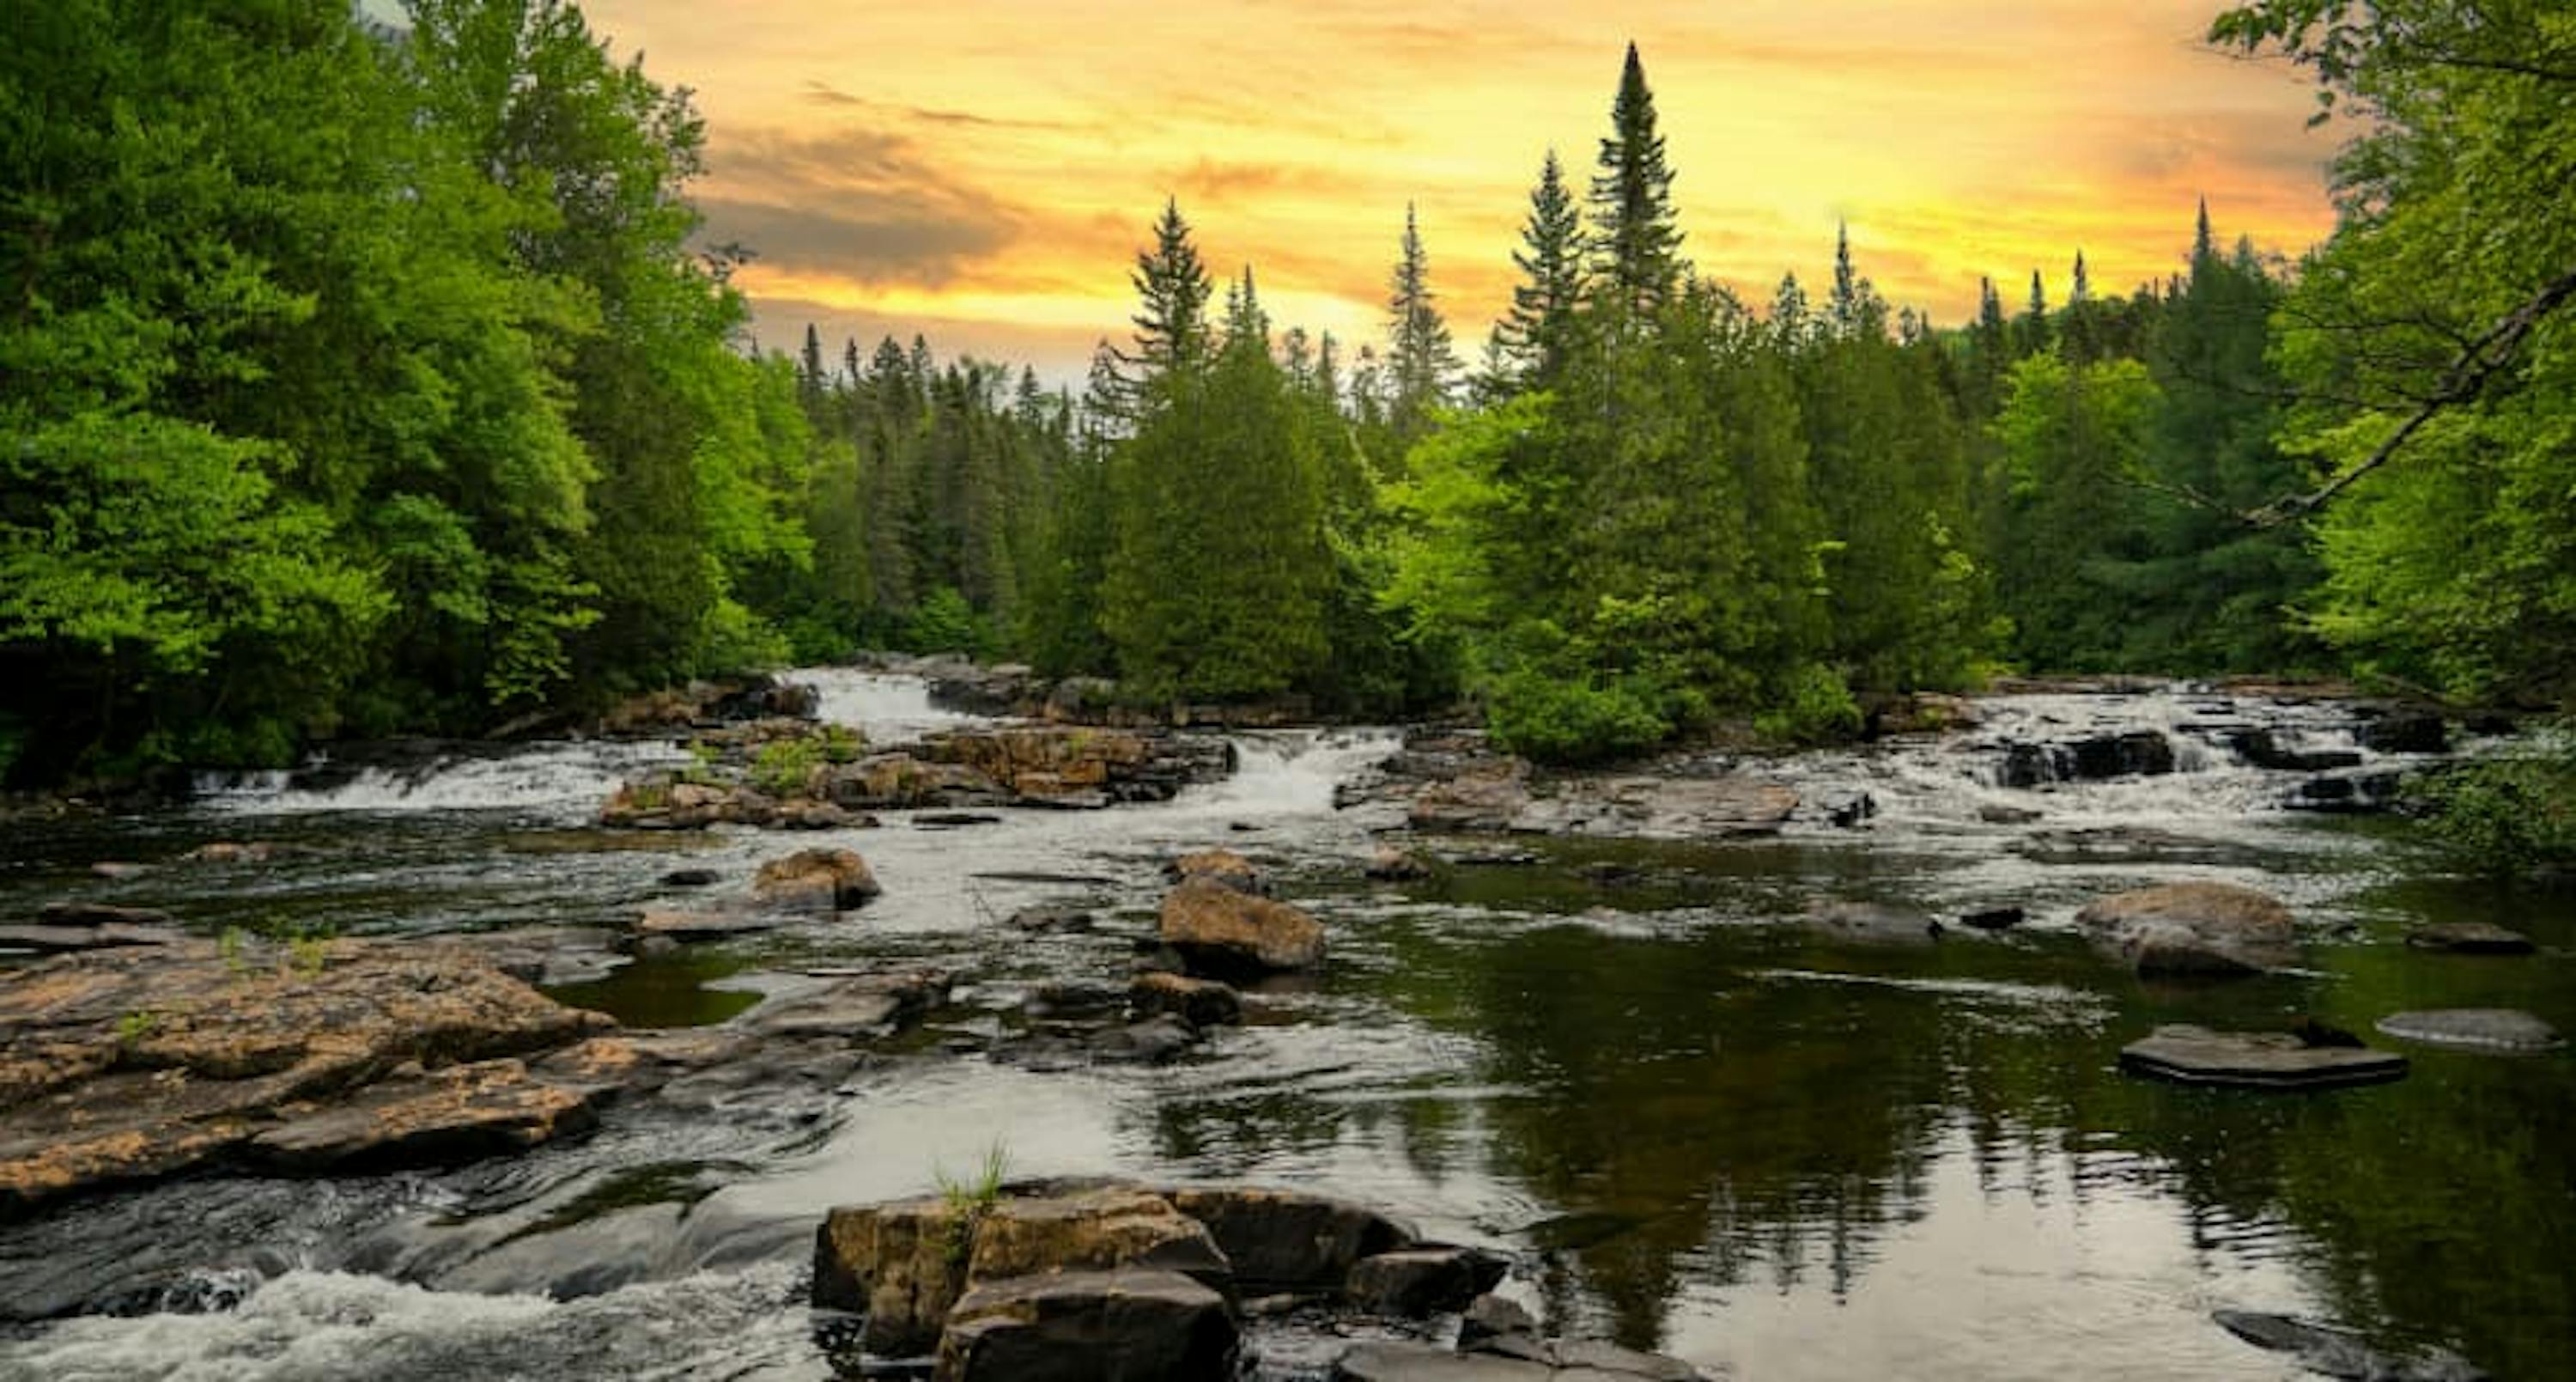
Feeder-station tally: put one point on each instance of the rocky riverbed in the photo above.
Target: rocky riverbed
(1735, 1064)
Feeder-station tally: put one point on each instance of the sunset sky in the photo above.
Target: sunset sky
(984, 171)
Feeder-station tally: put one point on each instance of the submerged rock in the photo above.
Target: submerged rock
(1216, 866)
(2256, 1060)
(2205, 929)
(2470, 938)
(1871, 923)
(1199, 1002)
(2331, 1351)
(2476, 1029)
(1392, 865)
(1222, 932)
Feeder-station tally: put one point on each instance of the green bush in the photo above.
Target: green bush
(2513, 813)
(1573, 719)
(944, 623)
(785, 767)
(1814, 707)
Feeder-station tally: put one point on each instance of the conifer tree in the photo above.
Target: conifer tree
(1172, 288)
(1534, 336)
(1636, 245)
(2031, 335)
(1420, 360)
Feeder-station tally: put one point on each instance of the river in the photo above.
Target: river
(1699, 1126)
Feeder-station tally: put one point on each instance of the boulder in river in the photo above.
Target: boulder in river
(1220, 932)
(2193, 929)
(2474, 1029)
(1424, 1279)
(1390, 864)
(2406, 731)
(820, 880)
(1129, 1324)
(1198, 1002)
(2256, 1060)
(1288, 1240)
(136, 1064)
(1217, 866)
(1490, 798)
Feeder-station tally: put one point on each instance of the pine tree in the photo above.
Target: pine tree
(1534, 336)
(810, 381)
(1636, 245)
(1843, 308)
(1793, 323)
(2030, 333)
(1172, 289)
(1420, 360)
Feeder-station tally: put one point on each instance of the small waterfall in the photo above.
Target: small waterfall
(562, 778)
(888, 708)
(1291, 773)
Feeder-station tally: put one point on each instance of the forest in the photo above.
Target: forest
(359, 380)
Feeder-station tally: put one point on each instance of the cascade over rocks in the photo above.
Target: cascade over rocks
(2192, 929)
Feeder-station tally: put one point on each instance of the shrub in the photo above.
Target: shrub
(2511, 813)
(1814, 707)
(785, 767)
(1573, 719)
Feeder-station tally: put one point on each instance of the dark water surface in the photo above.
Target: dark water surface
(1699, 1126)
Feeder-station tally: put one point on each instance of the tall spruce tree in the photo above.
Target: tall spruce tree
(1420, 359)
(1636, 243)
(1536, 334)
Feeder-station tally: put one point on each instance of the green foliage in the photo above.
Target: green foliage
(1814, 707)
(969, 1199)
(843, 744)
(2511, 813)
(135, 1027)
(945, 623)
(785, 767)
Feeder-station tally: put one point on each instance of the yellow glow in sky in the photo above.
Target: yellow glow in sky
(984, 171)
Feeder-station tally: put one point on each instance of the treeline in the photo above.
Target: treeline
(357, 381)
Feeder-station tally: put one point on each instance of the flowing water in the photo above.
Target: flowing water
(1699, 1126)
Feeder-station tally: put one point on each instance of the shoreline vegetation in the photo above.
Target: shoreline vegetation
(370, 380)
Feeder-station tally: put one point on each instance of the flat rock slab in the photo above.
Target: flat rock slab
(59, 939)
(705, 926)
(2255, 1060)
(1528, 1361)
(100, 914)
(2470, 938)
(849, 1006)
(2474, 1029)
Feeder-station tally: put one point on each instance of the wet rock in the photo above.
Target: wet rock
(2134, 753)
(2347, 794)
(118, 870)
(1488, 799)
(1392, 865)
(1992, 918)
(1994, 813)
(2263, 748)
(2331, 1351)
(1129, 1324)
(2406, 732)
(2469, 938)
(2131, 845)
(899, 781)
(232, 852)
(1061, 764)
(950, 820)
(1150, 1041)
(100, 914)
(1871, 923)
(1216, 866)
(691, 878)
(1286, 1240)
(139, 1063)
(1722, 806)
(1093, 1229)
(901, 1264)
(2474, 1029)
(59, 939)
(1517, 1360)
(1077, 1001)
(688, 927)
(1423, 1280)
(1222, 932)
(1497, 859)
(1198, 1002)
(2192, 929)
(660, 803)
(849, 1006)
(1488, 1318)
(1065, 919)
(1845, 809)
(442, 1117)
(2255, 1060)
(820, 880)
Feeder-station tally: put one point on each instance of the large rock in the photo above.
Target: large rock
(129, 1065)
(1289, 1241)
(2256, 1060)
(901, 1264)
(819, 880)
(1222, 932)
(2193, 929)
(1423, 1280)
(1128, 1325)
(1198, 1002)
(1487, 799)
(2473, 1029)
(1217, 866)
(1105, 1227)
(849, 1006)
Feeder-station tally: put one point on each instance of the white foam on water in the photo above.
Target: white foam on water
(1289, 773)
(538, 778)
(887, 707)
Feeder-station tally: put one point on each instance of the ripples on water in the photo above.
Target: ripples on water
(1700, 1127)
